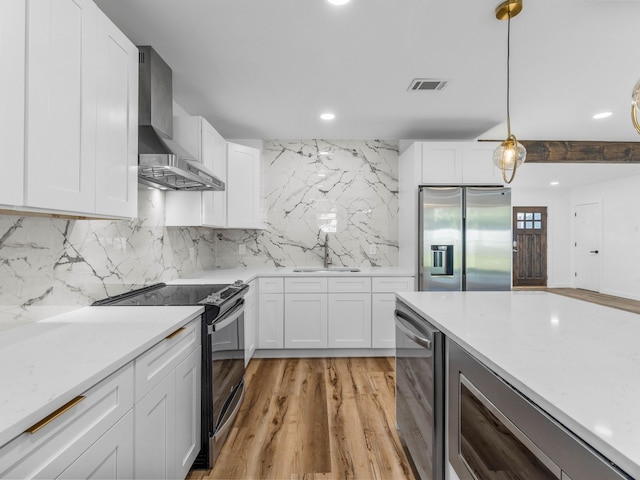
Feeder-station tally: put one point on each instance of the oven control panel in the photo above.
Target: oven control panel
(223, 295)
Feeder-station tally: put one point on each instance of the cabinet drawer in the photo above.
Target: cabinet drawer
(46, 453)
(350, 284)
(271, 285)
(153, 365)
(305, 285)
(392, 284)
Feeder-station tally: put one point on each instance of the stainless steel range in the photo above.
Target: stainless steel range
(222, 351)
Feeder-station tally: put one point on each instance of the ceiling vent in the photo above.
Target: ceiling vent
(427, 84)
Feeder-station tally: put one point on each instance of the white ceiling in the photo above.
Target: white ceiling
(268, 68)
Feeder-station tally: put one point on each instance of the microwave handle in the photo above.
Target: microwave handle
(402, 319)
(228, 318)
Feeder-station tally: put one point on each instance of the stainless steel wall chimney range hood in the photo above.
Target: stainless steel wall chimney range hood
(162, 162)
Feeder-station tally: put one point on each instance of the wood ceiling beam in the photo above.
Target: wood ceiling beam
(545, 151)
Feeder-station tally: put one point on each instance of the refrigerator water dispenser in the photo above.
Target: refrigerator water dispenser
(442, 260)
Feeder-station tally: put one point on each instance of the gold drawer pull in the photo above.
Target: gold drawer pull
(51, 417)
(170, 336)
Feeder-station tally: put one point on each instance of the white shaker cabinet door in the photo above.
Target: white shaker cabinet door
(12, 97)
(61, 111)
(214, 157)
(349, 320)
(244, 196)
(117, 122)
(110, 457)
(188, 412)
(441, 163)
(305, 320)
(155, 432)
(477, 164)
(383, 326)
(271, 321)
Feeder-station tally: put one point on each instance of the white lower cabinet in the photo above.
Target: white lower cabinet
(305, 320)
(250, 323)
(167, 417)
(142, 421)
(383, 329)
(383, 301)
(337, 312)
(188, 411)
(66, 440)
(349, 320)
(110, 457)
(270, 313)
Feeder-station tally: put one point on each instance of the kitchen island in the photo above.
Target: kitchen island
(577, 361)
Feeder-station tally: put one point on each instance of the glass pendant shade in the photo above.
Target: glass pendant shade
(635, 105)
(509, 155)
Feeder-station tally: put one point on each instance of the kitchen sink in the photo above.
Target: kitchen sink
(326, 270)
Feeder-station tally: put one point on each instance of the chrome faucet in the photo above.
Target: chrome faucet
(327, 259)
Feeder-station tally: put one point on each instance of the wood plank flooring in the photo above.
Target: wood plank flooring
(599, 298)
(314, 419)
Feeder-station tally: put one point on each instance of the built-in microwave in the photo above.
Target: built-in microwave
(496, 432)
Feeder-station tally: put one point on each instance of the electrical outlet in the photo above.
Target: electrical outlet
(372, 249)
(242, 249)
(192, 253)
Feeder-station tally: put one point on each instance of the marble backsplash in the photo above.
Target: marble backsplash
(53, 261)
(347, 189)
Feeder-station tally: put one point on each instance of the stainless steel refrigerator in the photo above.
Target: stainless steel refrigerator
(465, 238)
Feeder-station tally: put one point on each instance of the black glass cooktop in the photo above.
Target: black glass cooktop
(161, 294)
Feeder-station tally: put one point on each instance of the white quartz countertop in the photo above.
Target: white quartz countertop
(229, 275)
(45, 364)
(577, 361)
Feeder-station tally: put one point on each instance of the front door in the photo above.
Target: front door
(587, 246)
(530, 246)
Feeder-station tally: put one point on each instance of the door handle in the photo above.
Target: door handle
(593, 251)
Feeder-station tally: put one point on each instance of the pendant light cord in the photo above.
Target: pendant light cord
(508, 72)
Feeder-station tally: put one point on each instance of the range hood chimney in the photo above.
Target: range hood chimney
(162, 162)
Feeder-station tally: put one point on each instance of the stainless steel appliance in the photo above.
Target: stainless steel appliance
(496, 432)
(420, 387)
(222, 351)
(162, 162)
(464, 238)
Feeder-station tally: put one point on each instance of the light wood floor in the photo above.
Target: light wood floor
(314, 418)
(599, 298)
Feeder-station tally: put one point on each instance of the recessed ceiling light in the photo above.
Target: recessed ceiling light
(338, 2)
(327, 116)
(554, 183)
(600, 115)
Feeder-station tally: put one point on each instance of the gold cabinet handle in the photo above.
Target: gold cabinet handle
(171, 335)
(51, 417)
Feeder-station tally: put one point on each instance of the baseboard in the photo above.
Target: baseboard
(325, 352)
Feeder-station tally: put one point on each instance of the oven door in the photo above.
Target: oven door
(227, 358)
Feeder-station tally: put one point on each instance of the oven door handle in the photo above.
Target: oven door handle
(402, 325)
(228, 318)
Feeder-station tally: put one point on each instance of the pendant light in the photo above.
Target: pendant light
(635, 105)
(510, 154)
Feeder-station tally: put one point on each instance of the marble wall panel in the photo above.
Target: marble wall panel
(346, 189)
(52, 261)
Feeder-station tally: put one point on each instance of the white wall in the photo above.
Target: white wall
(619, 254)
(559, 239)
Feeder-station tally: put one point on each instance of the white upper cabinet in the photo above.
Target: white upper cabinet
(116, 122)
(12, 98)
(81, 115)
(459, 163)
(441, 163)
(244, 195)
(61, 106)
(477, 164)
(207, 209)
